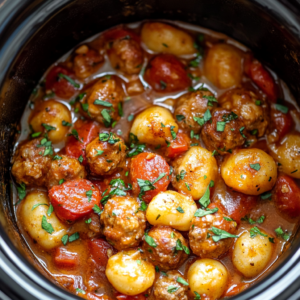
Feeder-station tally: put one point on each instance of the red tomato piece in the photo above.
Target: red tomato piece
(126, 297)
(119, 33)
(64, 258)
(86, 133)
(148, 166)
(60, 86)
(71, 201)
(238, 205)
(92, 296)
(263, 79)
(178, 146)
(287, 196)
(98, 250)
(167, 74)
(283, 123)
(235, 289)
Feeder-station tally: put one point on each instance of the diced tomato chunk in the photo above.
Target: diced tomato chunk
(287, 196)
(74, 199)
(167, 74)
(99, 251)
(263, 79)
(126, 297)
(59, 85)
(149, 166)
(235, 289)
(178, 146)
(120, 33)
(283, 123)
(86, 133)
(65, 259)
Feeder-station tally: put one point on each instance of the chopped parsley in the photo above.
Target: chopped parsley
(255, 167)
(106, 116)
(69, 79)
(163, 85)
(280, 233)
(201, 212)
(56, 157)
(80, 159)
(211, 100)
(282, 108)
(61, 181)
(180, 175)
(173, 133)
(97, 210)
(242, 133)
(89, 195)
(75, 134)
(229, 117)
(254, 231)
(221, 126)
(149, 240)
(204, 200)
(48, 127)
(21, 191)
(130, 117)
(266, 195)
(220, 234)
(38, 204)
(172, 289)
(50, 210)
(47, 226)
(103, 103)
(65, 123)
(179, 209)
(74, 237)
(182, 281)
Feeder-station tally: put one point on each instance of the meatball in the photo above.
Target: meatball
(109, 95)
(30, 164)
(193, 105)
(126, 55)
(200, 234)
(243, 103)
(124, 224)
(66, 168)
(224, 133)
(170, 250)
(162, 284)
(105, 155)
(86, 61)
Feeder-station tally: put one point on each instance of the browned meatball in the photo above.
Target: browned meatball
(161, 287)
(200, 234)
(169, 253)
(223, 141)
(192, 105)
(109, 90)
(105, 156)
(86, 62)
(30, 164)
(243, 103)
(124, 224)
(66, 168)
(126, 55)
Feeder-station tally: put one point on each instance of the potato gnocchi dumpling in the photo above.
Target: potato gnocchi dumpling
(250, 171)
(161, 37)
(153, 126)
(223, 66)
(251, 255)
(49, 117)
(287, 154)
(129, 273)
(194, 171)
(34, 217)
(173, 209)
(209, 277)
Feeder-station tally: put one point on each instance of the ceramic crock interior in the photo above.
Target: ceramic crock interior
(42, 31)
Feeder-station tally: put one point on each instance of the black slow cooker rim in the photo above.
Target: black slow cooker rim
(18, 278)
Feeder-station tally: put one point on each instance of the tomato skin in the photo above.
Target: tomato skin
(235, 289)
(65, 259)
(70, 201)
(283, 123)
(287, 196)
(263, 79)
(167, 74)
(119, 33)
(98, 251)
(148, 166)
(86, 133)
(126, 297)
(60, 86)
(178, 146)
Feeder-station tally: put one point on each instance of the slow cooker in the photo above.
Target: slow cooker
(35, 33)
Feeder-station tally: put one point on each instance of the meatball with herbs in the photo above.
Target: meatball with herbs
(64, 168)
(171, 286)
(223, 131)
(211, 232)
(102, 102)
(246, 105)
(105, 154)
(192, 106)
(165, 247)
(31, 162)
(123, 223)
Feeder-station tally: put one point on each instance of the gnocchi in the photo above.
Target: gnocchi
(129, 273)
(173, 209)
(49, 116)
(209, 277)
(251, 255)
(250, 171)
(194, 171)
(32, 211)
